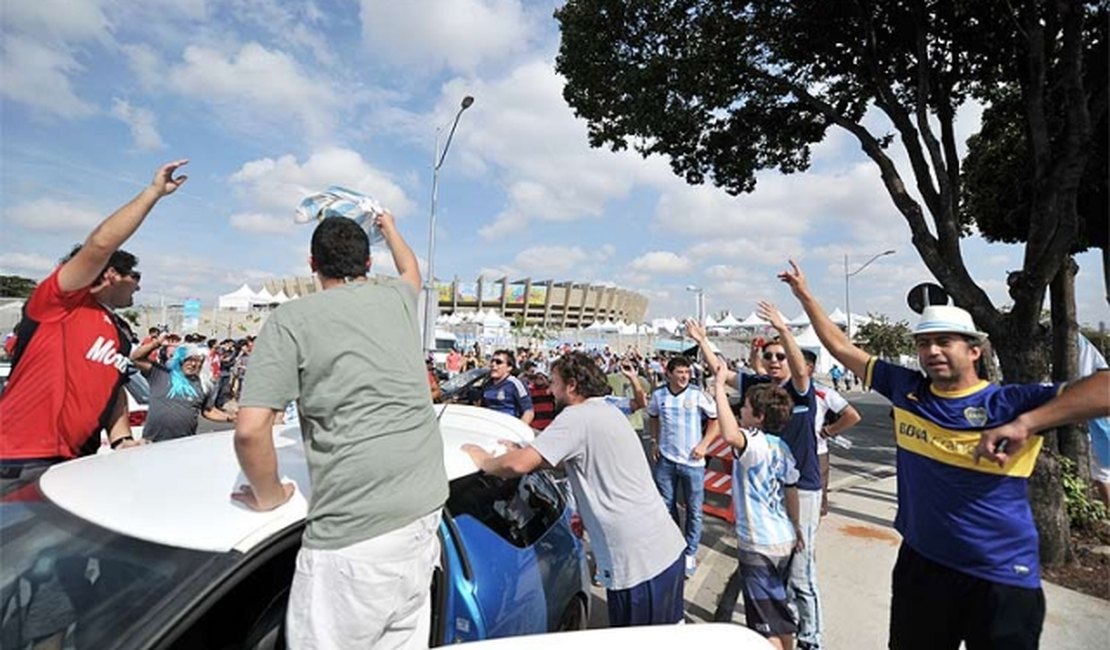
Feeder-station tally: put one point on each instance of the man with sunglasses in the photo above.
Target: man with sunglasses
(504, 392)
(783, 364)
(72, 353)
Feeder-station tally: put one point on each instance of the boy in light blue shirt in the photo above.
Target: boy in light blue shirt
(765, 499)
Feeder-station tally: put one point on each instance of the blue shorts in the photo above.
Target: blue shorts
(766, 605)
(658, 601)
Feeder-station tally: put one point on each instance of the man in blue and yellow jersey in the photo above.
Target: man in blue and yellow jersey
(968, 569)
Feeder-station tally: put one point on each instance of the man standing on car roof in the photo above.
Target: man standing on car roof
(638, 546)
(72, 351)
(351, 356)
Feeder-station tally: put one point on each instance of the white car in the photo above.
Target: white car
(143, 548)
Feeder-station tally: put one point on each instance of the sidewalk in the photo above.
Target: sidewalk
(856, 549)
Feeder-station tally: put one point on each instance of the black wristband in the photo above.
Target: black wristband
(118, 441)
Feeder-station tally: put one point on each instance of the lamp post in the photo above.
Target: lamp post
(431, 296)
(700, 303)
(847, 285)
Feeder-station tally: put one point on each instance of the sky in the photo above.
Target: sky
(273, 100)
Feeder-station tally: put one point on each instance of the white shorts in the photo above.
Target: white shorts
(373, 594)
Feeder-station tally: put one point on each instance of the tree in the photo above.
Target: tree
(724, 89)
(885, 339)
(14, 286)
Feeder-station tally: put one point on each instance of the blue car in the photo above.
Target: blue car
(143, 548)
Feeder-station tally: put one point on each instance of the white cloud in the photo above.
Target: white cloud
(458, 35)
(551, 260)
(521, 133)
(660, 262)
(53, 215)
(272, 188)
(256, 82)
(255, 222)
(26, 263)
(141, 122)
(37, 74)
(59, 20)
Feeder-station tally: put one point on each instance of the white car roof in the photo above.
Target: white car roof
(177, 492)
(701, 635)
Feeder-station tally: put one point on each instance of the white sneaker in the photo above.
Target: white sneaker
(691, 565)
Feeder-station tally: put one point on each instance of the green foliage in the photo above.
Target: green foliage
(14, 286)
(131, 316)
(883, 338)
(1083, 511)
(998, 190)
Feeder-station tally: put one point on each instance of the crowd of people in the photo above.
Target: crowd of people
(630, 432)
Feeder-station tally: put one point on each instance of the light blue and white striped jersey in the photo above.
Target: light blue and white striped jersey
(680, 419)
(759, 478)
(623, 404)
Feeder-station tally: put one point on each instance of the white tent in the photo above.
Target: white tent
(729, 321)
(807, 340)
(753, 321)
(239, 300)
(280, 297)
(801, 320)
(839, 317)
(709, 322)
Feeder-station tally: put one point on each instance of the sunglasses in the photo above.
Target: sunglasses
(137, 275)
(767, 356)
(497, 362)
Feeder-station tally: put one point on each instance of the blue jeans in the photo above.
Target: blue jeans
(806, 601)
(668, 475)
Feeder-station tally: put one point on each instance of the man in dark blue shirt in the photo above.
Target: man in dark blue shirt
(504, 392)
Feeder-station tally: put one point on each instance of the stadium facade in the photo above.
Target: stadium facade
(546, 304)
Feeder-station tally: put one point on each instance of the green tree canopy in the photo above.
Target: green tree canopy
(724, 89)
(883, 338)
(14, 286)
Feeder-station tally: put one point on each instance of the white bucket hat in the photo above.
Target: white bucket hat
(947, 319)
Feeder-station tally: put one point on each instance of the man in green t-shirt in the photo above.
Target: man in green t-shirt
(351, 356)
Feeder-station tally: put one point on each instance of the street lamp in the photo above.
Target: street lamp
(431, 296)
(700, 303)
(847, 285)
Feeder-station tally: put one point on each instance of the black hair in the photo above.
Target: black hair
(120, 260)
(508, 355)
(578, 368)
(810, 356)
(340, 248)
(773, 403)
(680, 361)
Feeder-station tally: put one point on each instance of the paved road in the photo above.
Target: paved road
(872, 452)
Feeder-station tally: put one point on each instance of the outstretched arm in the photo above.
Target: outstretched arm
(403, 257)
(799, 371)
(83, 269)
(697, 332)
(1086, 399)
(726, 421)
(254, 446)
(835, 341)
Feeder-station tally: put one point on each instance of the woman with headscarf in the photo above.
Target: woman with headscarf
(179, 391)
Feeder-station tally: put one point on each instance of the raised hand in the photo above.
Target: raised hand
(164, 182)
(696, 331)
(796, 279)
(771, 314)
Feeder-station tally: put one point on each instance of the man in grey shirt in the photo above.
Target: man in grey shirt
(638, 546)
(179, 391)
(351, 355)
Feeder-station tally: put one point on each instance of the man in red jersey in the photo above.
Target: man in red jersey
(73, 357)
